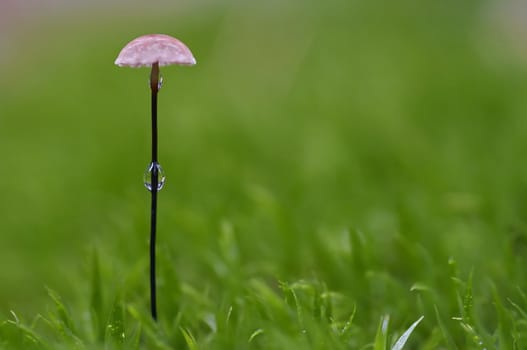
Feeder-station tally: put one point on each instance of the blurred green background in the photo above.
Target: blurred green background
(405, 120)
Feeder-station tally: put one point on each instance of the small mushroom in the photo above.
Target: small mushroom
(154, 50)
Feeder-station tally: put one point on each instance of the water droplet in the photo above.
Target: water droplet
(154, 171)
(159, 83)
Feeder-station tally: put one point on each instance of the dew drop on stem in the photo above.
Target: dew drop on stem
(154, 169)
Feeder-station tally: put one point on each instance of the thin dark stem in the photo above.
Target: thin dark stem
(153, 298)
(154, 86)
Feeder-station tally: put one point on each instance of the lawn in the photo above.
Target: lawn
(335, 170)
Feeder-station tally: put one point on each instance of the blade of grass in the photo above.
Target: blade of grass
(189, 339)
(446, 335)
(404, 338)
(505, 326)
(61, 310)
(150, 328)
(13, 333)
(381, 338)
(115, 327)
(96, 299)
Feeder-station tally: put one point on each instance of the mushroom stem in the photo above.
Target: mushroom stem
(154, 86)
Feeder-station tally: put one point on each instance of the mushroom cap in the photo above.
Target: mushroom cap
(148, 49)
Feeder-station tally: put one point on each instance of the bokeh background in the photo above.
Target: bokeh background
(303, 119)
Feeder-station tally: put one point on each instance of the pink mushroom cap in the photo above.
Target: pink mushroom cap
(148, 49)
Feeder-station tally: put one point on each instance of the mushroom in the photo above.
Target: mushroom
(154, 50)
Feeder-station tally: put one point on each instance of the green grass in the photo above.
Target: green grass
(335, 171)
